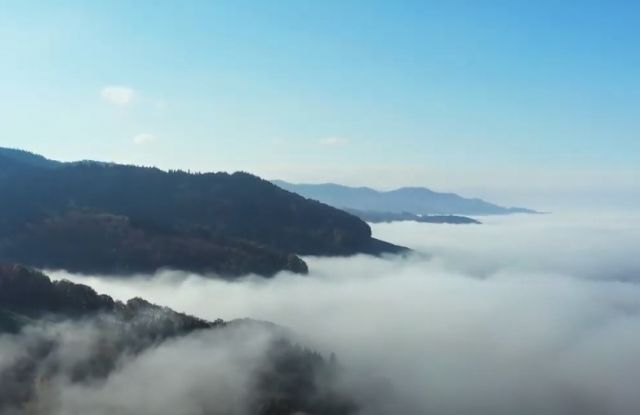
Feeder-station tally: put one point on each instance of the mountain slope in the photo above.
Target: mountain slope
(92, 242)
(229, 223)
(26, 157)
(31, 295)
(415, 200)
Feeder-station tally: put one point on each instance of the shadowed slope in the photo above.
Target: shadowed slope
(141, 219)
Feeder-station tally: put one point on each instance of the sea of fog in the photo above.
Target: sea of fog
(526, 314)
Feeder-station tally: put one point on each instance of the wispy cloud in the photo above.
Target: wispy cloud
(117, 95)
(144, 138)
(333, 141)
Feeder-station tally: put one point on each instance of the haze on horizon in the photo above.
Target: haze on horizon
(531, 104)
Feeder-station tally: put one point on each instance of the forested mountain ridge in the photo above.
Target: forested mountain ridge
(25, 157)
(141, 219)
(31, 295)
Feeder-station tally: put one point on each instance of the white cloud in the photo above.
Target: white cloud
(117, 95)
(524, 314)
(215, 369)
(144, 138)
(333, 141)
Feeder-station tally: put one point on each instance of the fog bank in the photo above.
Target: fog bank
(102, 366)
(523, 314)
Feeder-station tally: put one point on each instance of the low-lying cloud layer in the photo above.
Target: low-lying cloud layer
(524, 314)
(207, 371)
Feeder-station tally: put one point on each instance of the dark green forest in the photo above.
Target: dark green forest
(102, 217)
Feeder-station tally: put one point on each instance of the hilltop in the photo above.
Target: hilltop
(111, 218)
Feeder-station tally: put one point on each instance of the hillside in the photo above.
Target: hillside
(28, 295)
(40, 320)
(26, 157)
(99, 217)
(91, 242)
(415, 200)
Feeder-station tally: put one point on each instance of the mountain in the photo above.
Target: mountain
(110, 218)
(378, 217)
(32, 296)
(25, 157)
(94, 242)
(415, 200)
(59, 336)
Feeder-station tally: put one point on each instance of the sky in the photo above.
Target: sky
(520, 102)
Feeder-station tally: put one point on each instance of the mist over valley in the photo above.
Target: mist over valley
(524, 314)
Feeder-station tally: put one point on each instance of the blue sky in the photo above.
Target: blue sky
(504, 99)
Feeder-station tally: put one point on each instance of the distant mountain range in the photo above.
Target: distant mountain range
(95, 217)
(406, 200)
